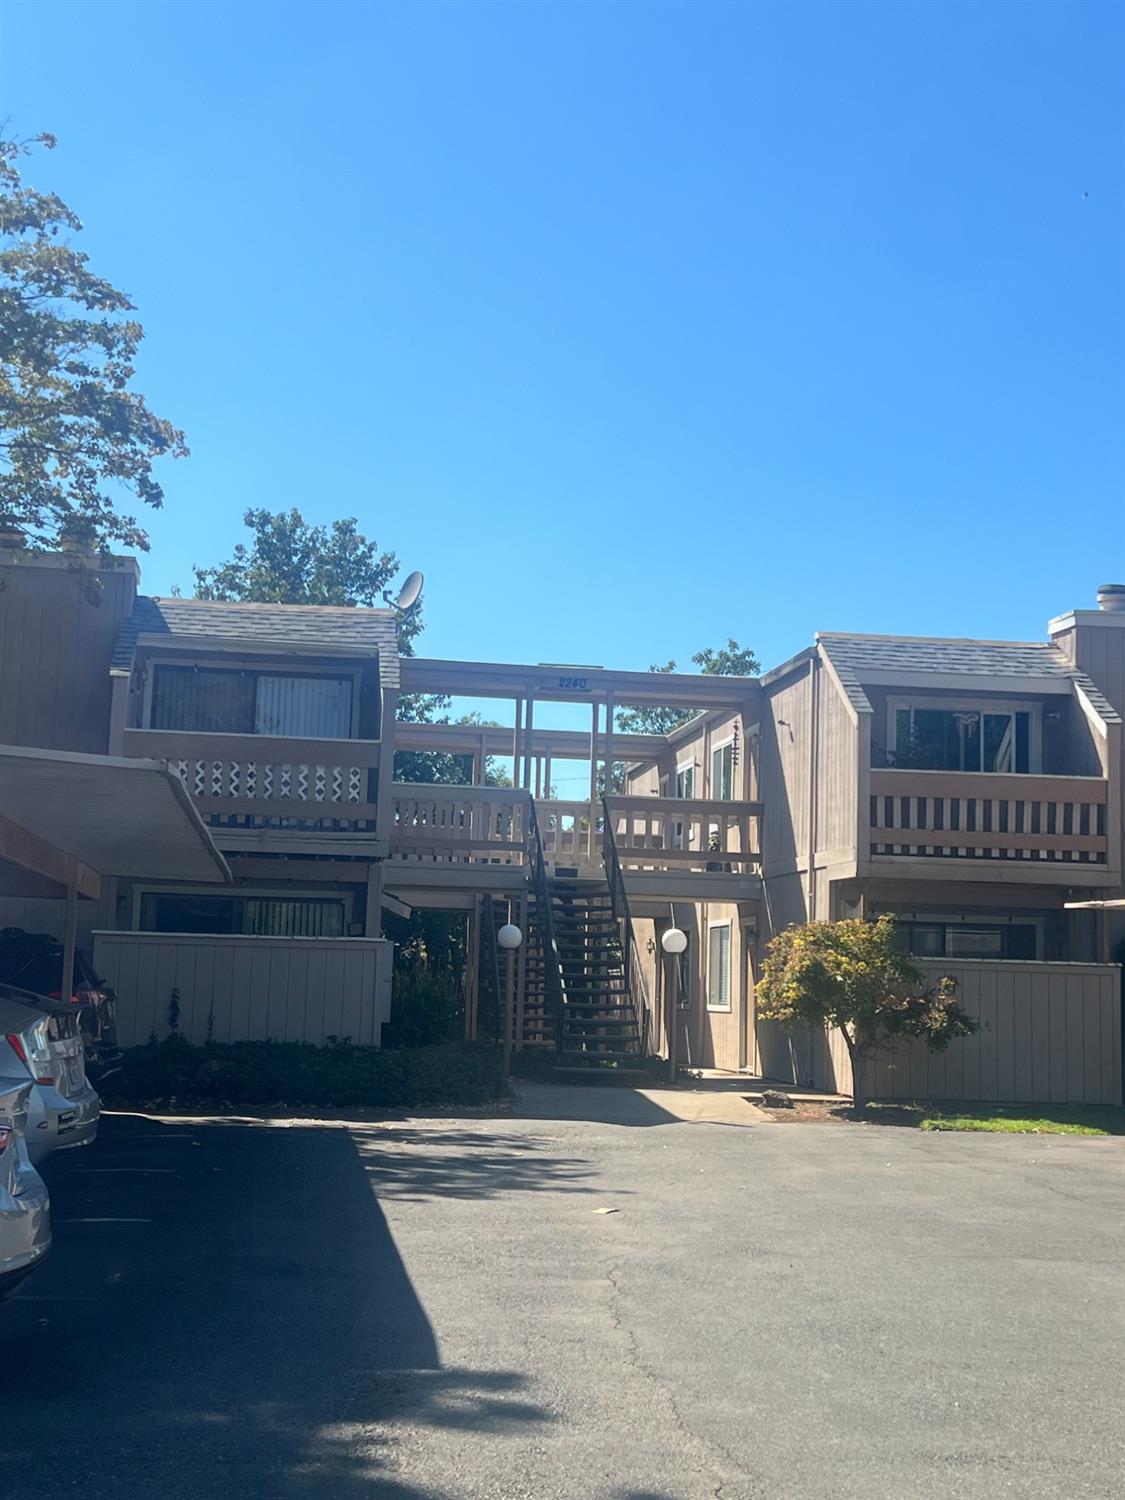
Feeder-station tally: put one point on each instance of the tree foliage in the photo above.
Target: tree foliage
(853, 976)
(731, 660)
(74, 439)
(291, 561)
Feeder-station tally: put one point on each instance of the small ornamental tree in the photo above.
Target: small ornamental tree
(851, 975)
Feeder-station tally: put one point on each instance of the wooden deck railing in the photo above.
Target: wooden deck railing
(459, 825)
(474, 825)
(966, 815)
(655, 833)
(260, 780)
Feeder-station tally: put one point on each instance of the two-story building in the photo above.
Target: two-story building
(971, 788)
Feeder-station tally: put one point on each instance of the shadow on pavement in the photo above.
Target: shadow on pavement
(226, 1316)
(415, 1163)
(599, 1105)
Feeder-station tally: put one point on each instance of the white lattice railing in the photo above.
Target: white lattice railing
(271, 781)
(312, 783)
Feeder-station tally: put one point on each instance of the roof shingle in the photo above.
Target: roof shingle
(317, 625)
(857, 656)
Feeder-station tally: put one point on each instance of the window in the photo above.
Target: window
(718, 966)
(253, 916)
(685, 780)
(722, 772)
(927, 736)
(228, 702)
(961, 939)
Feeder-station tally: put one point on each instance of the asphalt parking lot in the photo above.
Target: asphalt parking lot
(551, 1306)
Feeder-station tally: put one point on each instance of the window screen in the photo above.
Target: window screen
(718, 968)
(226, 702)
(253, 916)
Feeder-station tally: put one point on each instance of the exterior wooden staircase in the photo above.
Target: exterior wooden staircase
(598, 1025)
(583, 991)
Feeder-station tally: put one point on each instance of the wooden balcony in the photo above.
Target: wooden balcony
(672, 833)
(1056, 827)
(443, 826)
(443, 829)
(261, 782)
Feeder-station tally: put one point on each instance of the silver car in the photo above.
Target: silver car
(25, 1218)
(44, 1038)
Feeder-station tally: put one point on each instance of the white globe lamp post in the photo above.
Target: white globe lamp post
(674, 942)
(509, 938)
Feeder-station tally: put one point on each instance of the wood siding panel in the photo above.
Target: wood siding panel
(837, 770)
(55, 654)
(291, 989)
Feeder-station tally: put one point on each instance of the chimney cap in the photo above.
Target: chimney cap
(1111, 596)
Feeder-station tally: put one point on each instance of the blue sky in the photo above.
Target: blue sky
(634, 326)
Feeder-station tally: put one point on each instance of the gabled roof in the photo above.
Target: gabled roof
(314, 626)
(870, 658)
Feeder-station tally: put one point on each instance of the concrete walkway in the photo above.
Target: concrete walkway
(701, 1104)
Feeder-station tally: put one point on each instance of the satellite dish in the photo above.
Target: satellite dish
(409, 594)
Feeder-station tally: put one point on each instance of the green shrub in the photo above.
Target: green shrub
(426, 1008)
(297, 1073)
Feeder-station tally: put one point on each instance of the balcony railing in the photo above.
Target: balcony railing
(970, 816)
(673, 833)
(269, 781)
(486, 825)
(458, 826)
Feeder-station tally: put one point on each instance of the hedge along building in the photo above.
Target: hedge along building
(973, 788)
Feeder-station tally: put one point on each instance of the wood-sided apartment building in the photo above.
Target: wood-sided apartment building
(971, 788)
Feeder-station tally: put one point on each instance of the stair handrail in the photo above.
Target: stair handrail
(619, 903)
(553, 980)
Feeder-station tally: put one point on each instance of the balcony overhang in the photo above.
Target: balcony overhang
(85, 815)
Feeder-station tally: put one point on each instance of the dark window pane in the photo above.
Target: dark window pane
(213, 702)
(180, 913)
(973, 942)
(999, 746)
(1021, 942)
(946, 740)
(925, 941)
(1023, 743)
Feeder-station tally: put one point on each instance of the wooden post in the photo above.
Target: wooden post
(384, 800)
(547, 775)
(373, 915)
(516, 743)
(529, 722)
(472, 972)
(70, 932)
(609, 745)
(591, 841)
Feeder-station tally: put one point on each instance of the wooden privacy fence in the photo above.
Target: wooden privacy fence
(251, 988)
(1050, 1033)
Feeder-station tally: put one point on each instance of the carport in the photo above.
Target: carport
(67, 821)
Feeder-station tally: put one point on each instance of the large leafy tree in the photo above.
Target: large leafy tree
(853, 976)
(731, 660)
(292, 561)
(75, 440)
